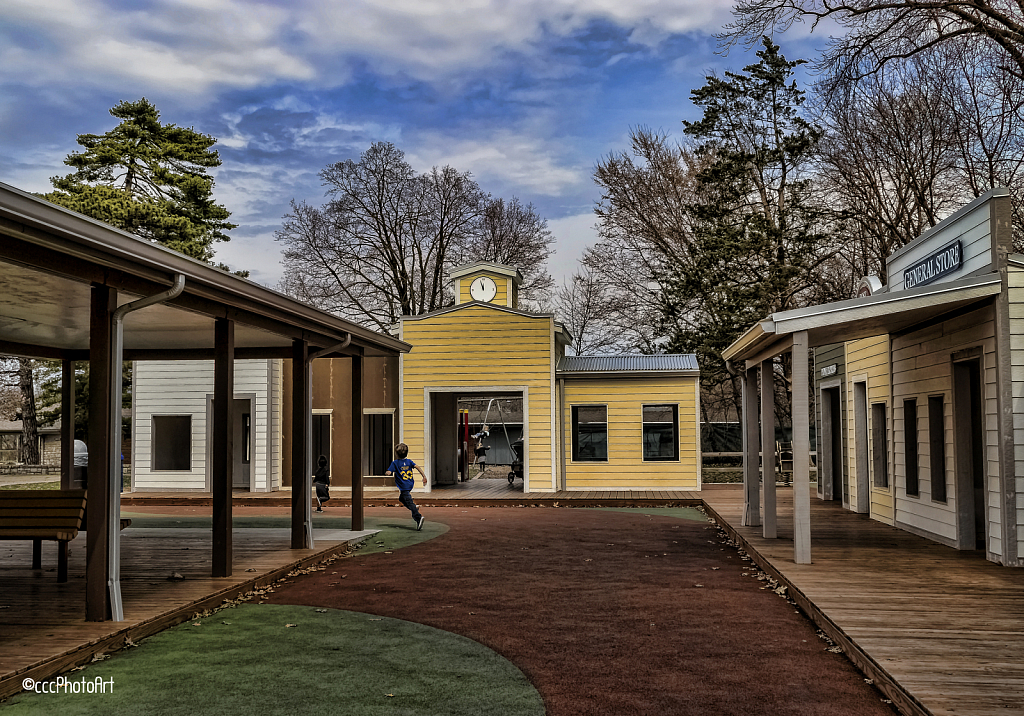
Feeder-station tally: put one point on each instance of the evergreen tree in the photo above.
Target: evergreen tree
(148, 178)
(759, 238)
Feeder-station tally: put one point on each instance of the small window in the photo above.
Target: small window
(661, 426)
(172, 442)
(879, 445)
(246, 438)
(590, 433)
(910, 446)
(937, 446)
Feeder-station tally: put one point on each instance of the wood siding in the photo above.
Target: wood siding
(867, 361)
(1015, 298)
(625, 468)
(183, 388)
(974, 230)
(501, 298)
(922, 367)
(475, 348)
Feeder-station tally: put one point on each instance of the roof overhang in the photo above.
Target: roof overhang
(510, 271)
(50, 257)
(856, 318)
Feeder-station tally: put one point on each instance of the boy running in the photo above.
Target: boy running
(402, 468)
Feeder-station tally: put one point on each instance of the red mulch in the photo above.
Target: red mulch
(603, 612)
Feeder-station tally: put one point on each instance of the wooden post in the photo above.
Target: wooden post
(751, 469)
(801, 451)
(222, 451)
(357, 442)
(301, 419)
(97, 544)
(67, 426)
(768, 448)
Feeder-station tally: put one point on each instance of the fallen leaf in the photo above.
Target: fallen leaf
(251, 569)
(321, 611)
(291, 625)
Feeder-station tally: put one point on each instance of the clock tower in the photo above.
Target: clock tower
(487, 282)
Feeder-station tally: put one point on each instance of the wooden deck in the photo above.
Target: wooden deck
(939, 631)
(42, 623)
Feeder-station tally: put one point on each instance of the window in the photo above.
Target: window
(246, 438)
(172, 442)
(879, 445)
(380, 441)
(661, 425)
(590, 433)
(937, 446)
(910, 446)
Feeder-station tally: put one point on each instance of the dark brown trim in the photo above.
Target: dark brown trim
(357, 442)
(222, 452)
(300, 442)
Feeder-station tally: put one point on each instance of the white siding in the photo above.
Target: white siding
(183, 388)
(972, 227)
(1015, 298)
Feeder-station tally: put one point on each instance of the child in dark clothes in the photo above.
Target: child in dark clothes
(321, 479)
(402, 468)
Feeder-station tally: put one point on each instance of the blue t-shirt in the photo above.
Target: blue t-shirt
(402, 470)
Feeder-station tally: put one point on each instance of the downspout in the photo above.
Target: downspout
(116, 478)
(308, 370)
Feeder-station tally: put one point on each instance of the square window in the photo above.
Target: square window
(172, 442)
(590, 433)
(910, 446)
(661, 428)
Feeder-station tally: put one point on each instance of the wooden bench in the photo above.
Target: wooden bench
(43, 515)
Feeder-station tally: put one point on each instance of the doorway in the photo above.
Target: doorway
(320, 439)
(379, 433)
(969, 447)
(241, 478)
(832, 444)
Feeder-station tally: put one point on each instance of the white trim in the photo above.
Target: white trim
(428, 455)
(554, 416)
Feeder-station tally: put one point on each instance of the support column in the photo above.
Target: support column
(768, 447)
(751, 468)
(302, 476)
(222, 449)
(357, 442)
(67, 426)
(97, 542)
(801, 451)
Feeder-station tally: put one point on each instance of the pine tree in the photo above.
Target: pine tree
(148, 178)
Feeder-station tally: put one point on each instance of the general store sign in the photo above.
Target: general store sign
(943, 262)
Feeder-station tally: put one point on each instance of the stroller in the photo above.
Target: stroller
(517, 462)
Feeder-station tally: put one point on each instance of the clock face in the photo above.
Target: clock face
(483, 289)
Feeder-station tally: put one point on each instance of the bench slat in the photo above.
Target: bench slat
(37, 533)
(6, 511)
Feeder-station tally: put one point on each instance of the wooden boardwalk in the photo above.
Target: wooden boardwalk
(938, 630)
(42, 623)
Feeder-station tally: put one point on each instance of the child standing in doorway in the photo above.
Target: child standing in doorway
(402, 468)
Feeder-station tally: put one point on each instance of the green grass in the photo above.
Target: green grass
(33, 486)
(395, 531)
(246, 661)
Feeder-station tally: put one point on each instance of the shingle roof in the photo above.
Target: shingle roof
(629, 363)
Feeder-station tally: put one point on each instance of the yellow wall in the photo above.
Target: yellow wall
(868, 359)
(501, 282)
(625, 468)
(478, 347)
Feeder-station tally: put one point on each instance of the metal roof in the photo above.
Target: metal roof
(661, 363)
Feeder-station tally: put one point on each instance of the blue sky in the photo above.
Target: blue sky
(526, 95)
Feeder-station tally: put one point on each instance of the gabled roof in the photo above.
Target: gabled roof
(510, 271)
(673, 363)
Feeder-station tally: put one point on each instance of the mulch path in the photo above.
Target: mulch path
(605, 612)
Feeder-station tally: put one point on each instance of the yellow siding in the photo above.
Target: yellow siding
(625, 468)
(476, 347)
(869, 358)
(501, 282)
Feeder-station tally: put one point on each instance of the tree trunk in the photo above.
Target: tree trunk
(29, 425)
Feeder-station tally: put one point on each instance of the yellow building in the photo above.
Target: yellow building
(589, 422)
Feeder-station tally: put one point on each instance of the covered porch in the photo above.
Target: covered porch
(76, 290)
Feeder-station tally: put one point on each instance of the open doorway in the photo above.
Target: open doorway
(969, 446)
(378, 445)
(831, 463)
(491, 424)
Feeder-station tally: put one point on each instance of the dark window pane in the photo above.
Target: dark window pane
(660, 432)
(879, 445)
(172, 442)
(589, 433)
(910, 445)
(937, 447)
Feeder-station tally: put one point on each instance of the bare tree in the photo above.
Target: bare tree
(881, 32)
(583, 304)
(513, 234)
(18, 394)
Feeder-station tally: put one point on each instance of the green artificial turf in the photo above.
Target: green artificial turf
(683, 513)
(395, 531)
(247, 661)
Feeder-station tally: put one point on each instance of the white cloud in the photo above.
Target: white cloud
(573, 234)
(192, 47)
